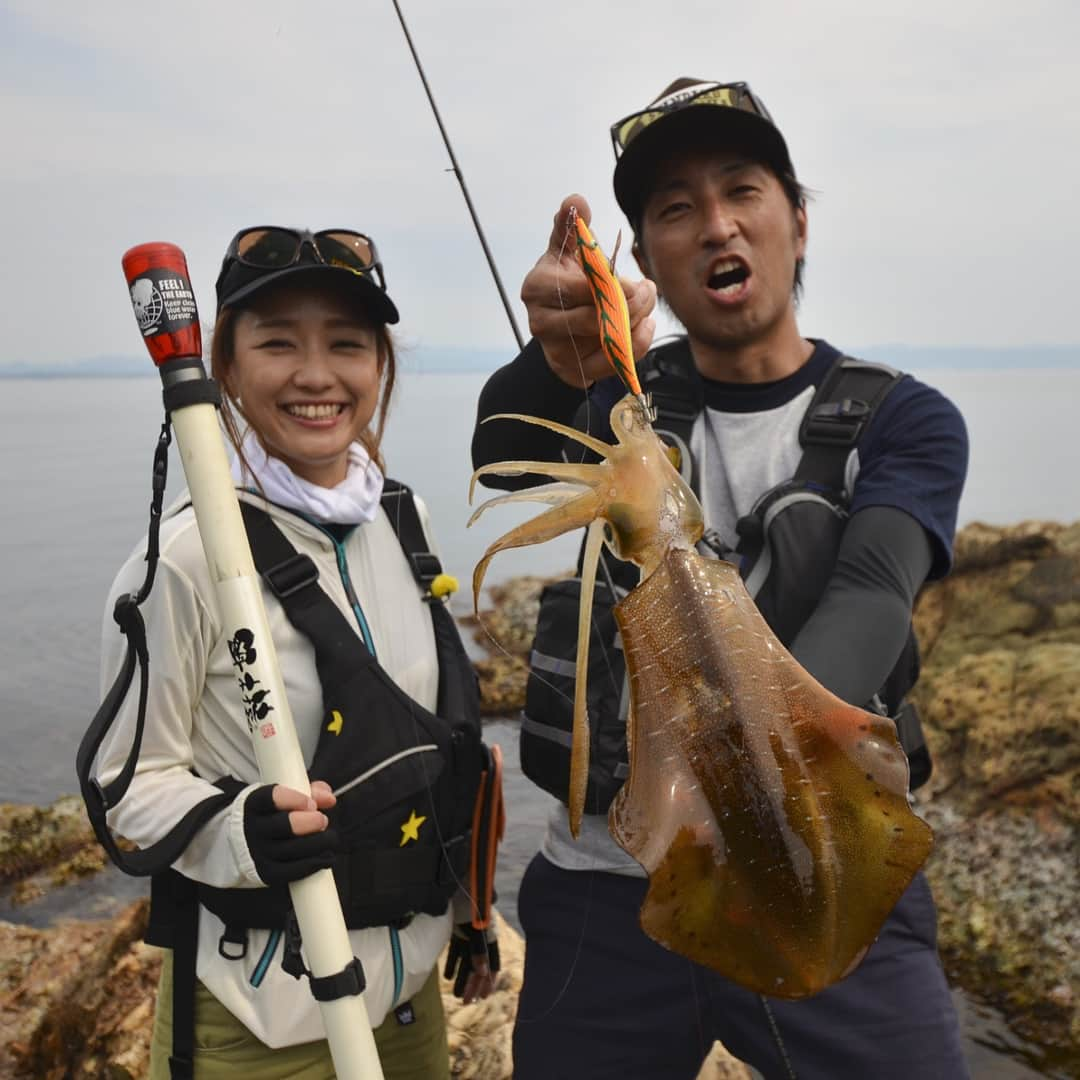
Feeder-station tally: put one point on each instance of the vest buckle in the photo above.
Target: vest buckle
(292, 575)
(425, 566)
(836, 423)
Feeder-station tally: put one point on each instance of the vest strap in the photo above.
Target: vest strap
(185, 946)
(101, 798)
(400, 507)
(842, 406)
(191, 392)
(295, 573)
(348, 982)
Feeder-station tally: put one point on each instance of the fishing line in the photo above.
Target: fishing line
(587, 907)
(571, 218)
(588, 431)
(774, 1029)
(456, 170)
(429, 781)
(588, 425)
(604, 651)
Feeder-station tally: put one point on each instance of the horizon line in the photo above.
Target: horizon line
(453, 359)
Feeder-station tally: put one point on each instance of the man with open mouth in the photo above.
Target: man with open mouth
(833, 484)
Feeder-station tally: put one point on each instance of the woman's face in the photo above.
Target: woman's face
(306, 370)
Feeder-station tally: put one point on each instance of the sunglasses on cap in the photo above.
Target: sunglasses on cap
(736, 95)
(274, 248)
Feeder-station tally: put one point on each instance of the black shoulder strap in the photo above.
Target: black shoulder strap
(101, 798)
(842, 407)
(185, 948)
(292, 577)
(400, 507)
(287, 572)
(669, 375)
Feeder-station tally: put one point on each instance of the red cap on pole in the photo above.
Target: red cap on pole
(164, 302)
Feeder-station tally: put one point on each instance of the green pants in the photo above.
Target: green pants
(225, 1049)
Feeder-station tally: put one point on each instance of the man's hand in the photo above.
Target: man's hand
(562, 316)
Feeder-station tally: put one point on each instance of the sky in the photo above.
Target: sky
(941, 139)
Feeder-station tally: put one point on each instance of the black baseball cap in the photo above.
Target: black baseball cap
(263, 255)
(691, 112)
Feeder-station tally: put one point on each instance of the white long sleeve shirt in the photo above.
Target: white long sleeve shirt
(195, 721)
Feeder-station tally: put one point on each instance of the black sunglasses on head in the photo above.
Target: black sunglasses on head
(736, 95)
(272, 247)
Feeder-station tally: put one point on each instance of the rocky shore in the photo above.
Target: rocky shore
(1000, 699)
(77, 1000)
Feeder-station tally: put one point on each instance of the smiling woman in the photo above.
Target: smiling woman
(381, 690)
(304, 350)
(304, 367)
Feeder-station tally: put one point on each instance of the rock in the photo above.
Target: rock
(42, 846)
(720, 1065)
(502, 684)
(479, 1034)
(506, 631)
(77, 999)
(1000, 701)
(509, 626)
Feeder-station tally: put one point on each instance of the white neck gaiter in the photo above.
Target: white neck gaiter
(352, 502)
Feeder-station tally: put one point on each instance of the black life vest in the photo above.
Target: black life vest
(406, 778)
(786, 550)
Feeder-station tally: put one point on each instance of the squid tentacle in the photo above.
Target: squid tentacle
(575, 514)
(579, 751)
(555, 494)
(598, 446)
(583, 474)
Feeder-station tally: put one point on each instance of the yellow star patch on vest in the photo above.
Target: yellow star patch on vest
(336, 722)
(410, 830)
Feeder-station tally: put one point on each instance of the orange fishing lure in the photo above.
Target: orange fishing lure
(611, 310)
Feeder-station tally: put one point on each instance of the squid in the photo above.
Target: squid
(771, 817)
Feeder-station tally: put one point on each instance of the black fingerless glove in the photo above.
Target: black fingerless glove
(465, 943)
(279, 856)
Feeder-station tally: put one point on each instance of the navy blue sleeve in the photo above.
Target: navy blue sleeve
(527, 385)
(914, 457)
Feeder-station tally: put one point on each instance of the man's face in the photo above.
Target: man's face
(721, 239)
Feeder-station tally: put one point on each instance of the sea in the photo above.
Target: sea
(75, 473)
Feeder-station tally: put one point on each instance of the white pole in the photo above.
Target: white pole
(260, 689)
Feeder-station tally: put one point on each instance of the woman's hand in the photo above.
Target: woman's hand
(562, 316)
(472, 962)
(305, 812)
(287, 832)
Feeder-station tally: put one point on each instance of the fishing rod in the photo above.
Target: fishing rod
(161, 293)
(456, 170)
